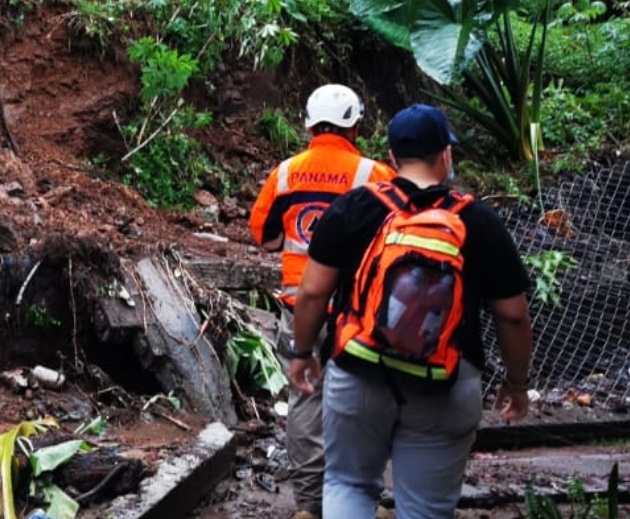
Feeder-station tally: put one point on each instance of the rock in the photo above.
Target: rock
(8, 238)
(205, 198)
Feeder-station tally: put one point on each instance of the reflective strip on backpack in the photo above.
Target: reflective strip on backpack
(418, 242)
(364, 170)
(283, 176)
(356, 349)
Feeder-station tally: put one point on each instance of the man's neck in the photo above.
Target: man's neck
(419, 175)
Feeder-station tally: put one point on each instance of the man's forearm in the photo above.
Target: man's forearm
(318, 284)
(515, 342)
(514, 334)
(310, 316)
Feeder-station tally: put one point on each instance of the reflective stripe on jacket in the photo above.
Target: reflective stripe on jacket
(297, 193)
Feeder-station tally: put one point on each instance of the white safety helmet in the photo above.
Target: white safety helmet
(334, 104)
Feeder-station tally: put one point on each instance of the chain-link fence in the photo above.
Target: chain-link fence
(582, 345)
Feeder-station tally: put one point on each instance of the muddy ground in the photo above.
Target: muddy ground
(57, 106)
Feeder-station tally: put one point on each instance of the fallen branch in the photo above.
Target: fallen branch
(75, 344)
(20, 296)
(153, 135)
(101, 485)
(202, 330)
(146, 120)
(171, 419)
(118, 125)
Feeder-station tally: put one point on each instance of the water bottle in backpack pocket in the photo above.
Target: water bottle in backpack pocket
(415, 307)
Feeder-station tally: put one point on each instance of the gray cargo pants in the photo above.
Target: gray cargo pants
(305, 443)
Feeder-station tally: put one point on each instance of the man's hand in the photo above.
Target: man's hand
(513, 404)
(514, 334)
(303, 371)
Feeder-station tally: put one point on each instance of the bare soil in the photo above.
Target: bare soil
(60, 102)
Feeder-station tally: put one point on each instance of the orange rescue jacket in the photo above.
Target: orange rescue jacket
(299, 190)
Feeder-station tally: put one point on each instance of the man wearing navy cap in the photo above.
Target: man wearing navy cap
(366, 422)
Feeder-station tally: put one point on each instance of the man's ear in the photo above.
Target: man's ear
(392, 159)
(447, 157)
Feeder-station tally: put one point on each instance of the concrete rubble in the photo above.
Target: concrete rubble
(180, 482)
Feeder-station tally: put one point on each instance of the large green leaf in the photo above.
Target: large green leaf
(60, 504)
(7, 460)
(49, 458)
(252, 355)
(445, 36)
(503, 91)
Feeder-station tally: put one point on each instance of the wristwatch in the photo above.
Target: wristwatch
(301, 355)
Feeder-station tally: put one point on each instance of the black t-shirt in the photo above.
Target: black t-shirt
(492, 266)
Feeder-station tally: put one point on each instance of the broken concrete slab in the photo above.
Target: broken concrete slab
(180, 481)
(172, 347)
(230, 274)
(164, 326)
(551, 426)
(493, 480)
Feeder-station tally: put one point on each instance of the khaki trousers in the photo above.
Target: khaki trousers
(305, 443)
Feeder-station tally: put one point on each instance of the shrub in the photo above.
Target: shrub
(279, 130)
(165, 162)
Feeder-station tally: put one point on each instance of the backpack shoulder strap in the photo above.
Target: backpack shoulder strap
(390, 195)
(454, 201)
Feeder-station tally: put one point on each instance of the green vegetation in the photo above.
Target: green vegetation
(188, 40)
(97, 24)
(40, 317)
(8, 463)
(252, 357)
(97, 427)
(282, 134)
(170, 399)
(264, 300)
(558, 71)
(503, 92)
(165, 161)
(376, 145)
(580, 507)
(519, 72)
(43, 490)
(474, 41)
(547, 265)
(16, 10)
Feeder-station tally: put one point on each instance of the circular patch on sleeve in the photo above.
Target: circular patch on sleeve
(307, 220)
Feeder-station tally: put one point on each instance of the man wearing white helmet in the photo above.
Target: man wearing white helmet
(293, 199)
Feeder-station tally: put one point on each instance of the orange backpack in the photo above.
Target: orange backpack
(407, 298)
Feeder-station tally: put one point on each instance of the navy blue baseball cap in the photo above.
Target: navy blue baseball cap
(419, 131)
